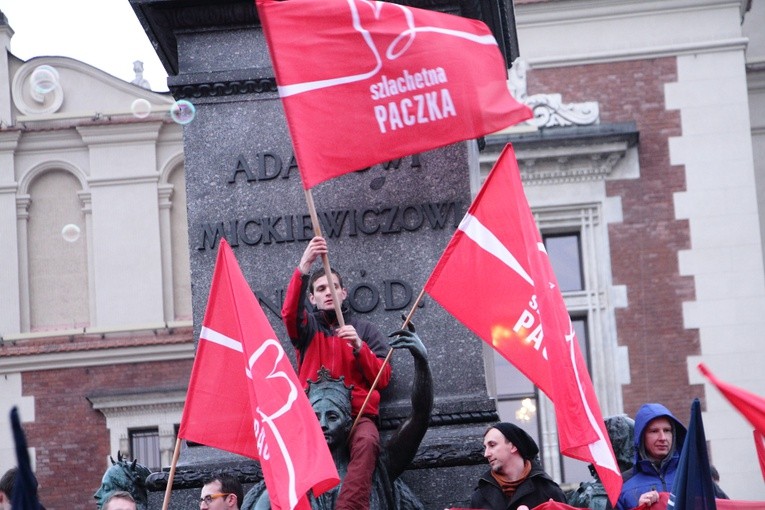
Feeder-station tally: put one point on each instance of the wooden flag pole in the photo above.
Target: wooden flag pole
(169, 488)
(385, 361)
(324, 257)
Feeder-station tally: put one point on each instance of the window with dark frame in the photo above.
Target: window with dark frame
(565, 254)
(144, 447)
(517, 397)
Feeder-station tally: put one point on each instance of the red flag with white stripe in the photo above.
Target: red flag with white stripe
(244, 396)
(366, 82)
(495, 277)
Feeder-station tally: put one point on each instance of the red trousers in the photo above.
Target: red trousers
(357, 484)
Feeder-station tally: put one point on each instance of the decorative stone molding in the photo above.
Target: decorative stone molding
(27, 99)
(22, 206)
(564, 155)
(539, 167)
(549, 109)
(224, 88)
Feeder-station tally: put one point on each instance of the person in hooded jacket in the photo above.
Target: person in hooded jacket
(355, 352)
(515, 477)
(659, 437)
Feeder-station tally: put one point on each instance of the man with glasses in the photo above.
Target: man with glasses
(221, 490)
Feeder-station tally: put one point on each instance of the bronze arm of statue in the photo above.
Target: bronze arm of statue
(402, 446)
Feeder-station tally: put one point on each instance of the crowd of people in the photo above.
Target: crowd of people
(352, 351)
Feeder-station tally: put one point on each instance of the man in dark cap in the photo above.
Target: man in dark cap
(516, 476)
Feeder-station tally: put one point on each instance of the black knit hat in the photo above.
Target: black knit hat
(526, 445)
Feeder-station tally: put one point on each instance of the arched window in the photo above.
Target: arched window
(58, 253)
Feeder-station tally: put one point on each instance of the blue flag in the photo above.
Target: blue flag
(693, 488)
(25, 486)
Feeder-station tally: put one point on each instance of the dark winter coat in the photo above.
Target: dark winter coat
(538, 488)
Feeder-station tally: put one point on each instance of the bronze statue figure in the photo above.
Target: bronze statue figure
(592, 494)
(330, 399)
(124, 475)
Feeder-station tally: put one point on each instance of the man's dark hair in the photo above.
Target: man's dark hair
(319, 273)
(229, 484)
(8, 481)
(117, 495)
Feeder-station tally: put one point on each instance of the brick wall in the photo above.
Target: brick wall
(70, 437)
(644, 247)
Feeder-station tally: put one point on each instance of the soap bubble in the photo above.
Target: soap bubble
(44, 79)
(70, 232)
(182, 112)
(141, 108)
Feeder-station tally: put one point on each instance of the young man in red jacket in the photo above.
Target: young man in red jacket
(354, 351)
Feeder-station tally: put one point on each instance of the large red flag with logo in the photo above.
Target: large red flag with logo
(496, 278)
(245, 398)
(364, 82)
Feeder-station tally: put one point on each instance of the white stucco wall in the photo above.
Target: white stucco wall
(725, 258)
(721, 205)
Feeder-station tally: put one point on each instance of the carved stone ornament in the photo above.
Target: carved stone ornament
(31, 99)
(549, 109)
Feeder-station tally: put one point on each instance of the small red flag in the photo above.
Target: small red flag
(244, 396)
(732, 504)
(496, 278)
(367, 82)
(661, 504)
(759, 442)
(750, 405)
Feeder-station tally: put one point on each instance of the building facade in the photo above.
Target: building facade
(644, 166)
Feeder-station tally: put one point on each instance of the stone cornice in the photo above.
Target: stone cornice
(598, 30)
(77, 349)
(116, 404)
(100, 357)
(566, 12)
(120, 133)
(565, 155)
(163, 19)
(639, 53)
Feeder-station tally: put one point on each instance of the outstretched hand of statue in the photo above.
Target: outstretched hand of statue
(408, 339)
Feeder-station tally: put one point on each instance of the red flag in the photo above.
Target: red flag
(367, 82)
(759, 442)
(750, 405)
(661, 504)
(731, 504)
(496, 278)
(245, 398)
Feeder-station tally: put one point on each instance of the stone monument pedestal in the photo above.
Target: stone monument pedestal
(386, 228)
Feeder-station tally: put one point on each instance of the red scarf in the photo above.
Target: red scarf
(509, 486)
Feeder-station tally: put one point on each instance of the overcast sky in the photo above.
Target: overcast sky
(103, 33)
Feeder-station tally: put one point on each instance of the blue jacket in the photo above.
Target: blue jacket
(644, 476)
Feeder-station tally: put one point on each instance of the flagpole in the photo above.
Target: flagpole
(324, 257)
(169, 488)
(386, 360)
